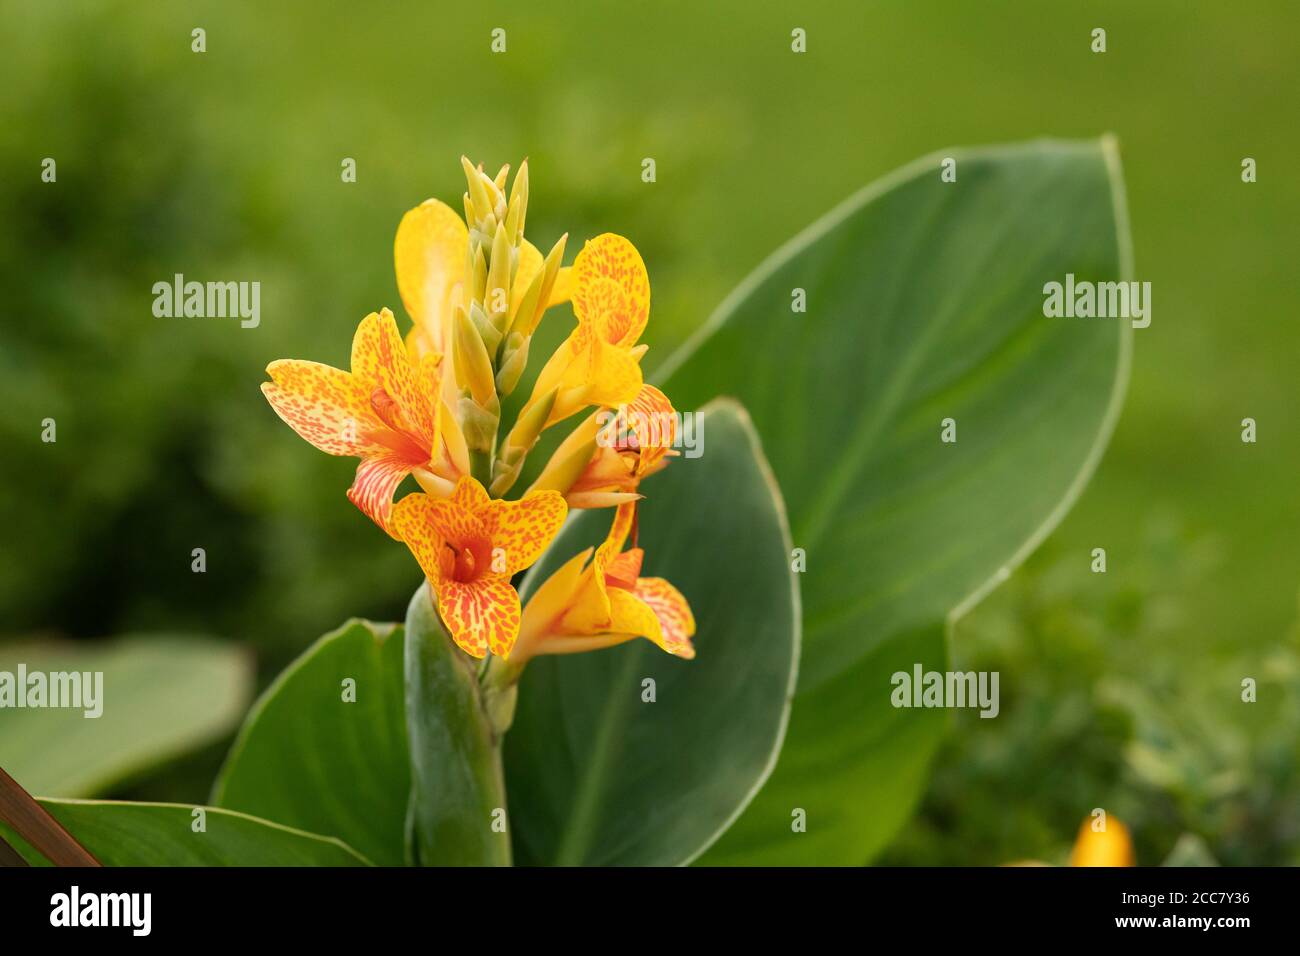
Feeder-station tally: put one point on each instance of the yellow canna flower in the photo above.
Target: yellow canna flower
(469, 546)
(603, 462)
(384, 411)
(430, 254)
(1109, 847)
(587, 606)
(600, 362)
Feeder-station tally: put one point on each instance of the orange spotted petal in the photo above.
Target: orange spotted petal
(630, 615)
(456, 524)
(523, 528)
(481, 615)
(652, 418)
(611, 290)
(372, 490)
(676, 623)
(324, 406)
(412, 522)
(380, 361)
(470, 494)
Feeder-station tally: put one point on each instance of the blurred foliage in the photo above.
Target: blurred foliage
(225, 165)
(1091, 717)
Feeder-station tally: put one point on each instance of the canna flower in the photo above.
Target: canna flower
(600, 362)
(385, 411)
(587, 606)
(469, 546)
(601, 464)
(437, 273)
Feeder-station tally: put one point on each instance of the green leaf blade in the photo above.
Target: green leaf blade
(320, 757)
(163, 696)
(924, 302)
(599, 776)
(163, 834)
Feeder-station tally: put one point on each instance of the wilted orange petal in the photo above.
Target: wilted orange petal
(323, 405)
(481, 615)
(523, 529)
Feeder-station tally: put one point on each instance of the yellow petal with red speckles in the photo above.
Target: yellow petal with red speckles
(630, 615)
(429, 254)
(380, 361)
(652, 418)
(522, 529)
(611, 289)
(323, 405)
(470, 494)
(455, 523)
(482, 615)
(412, 522)
(372, 490)
(676, 622)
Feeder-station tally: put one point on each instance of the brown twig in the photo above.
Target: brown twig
(9, 856)
(19, 809)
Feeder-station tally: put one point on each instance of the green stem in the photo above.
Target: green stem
(458, 798)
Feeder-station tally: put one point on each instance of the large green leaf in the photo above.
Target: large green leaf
(457, 792)
(598, 775)
(924, 302)
(324, 749)
(163, 834)
(162, 697)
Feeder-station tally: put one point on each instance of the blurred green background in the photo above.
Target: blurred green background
(1118, 690)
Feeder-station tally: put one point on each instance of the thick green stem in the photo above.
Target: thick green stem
(457, 813)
